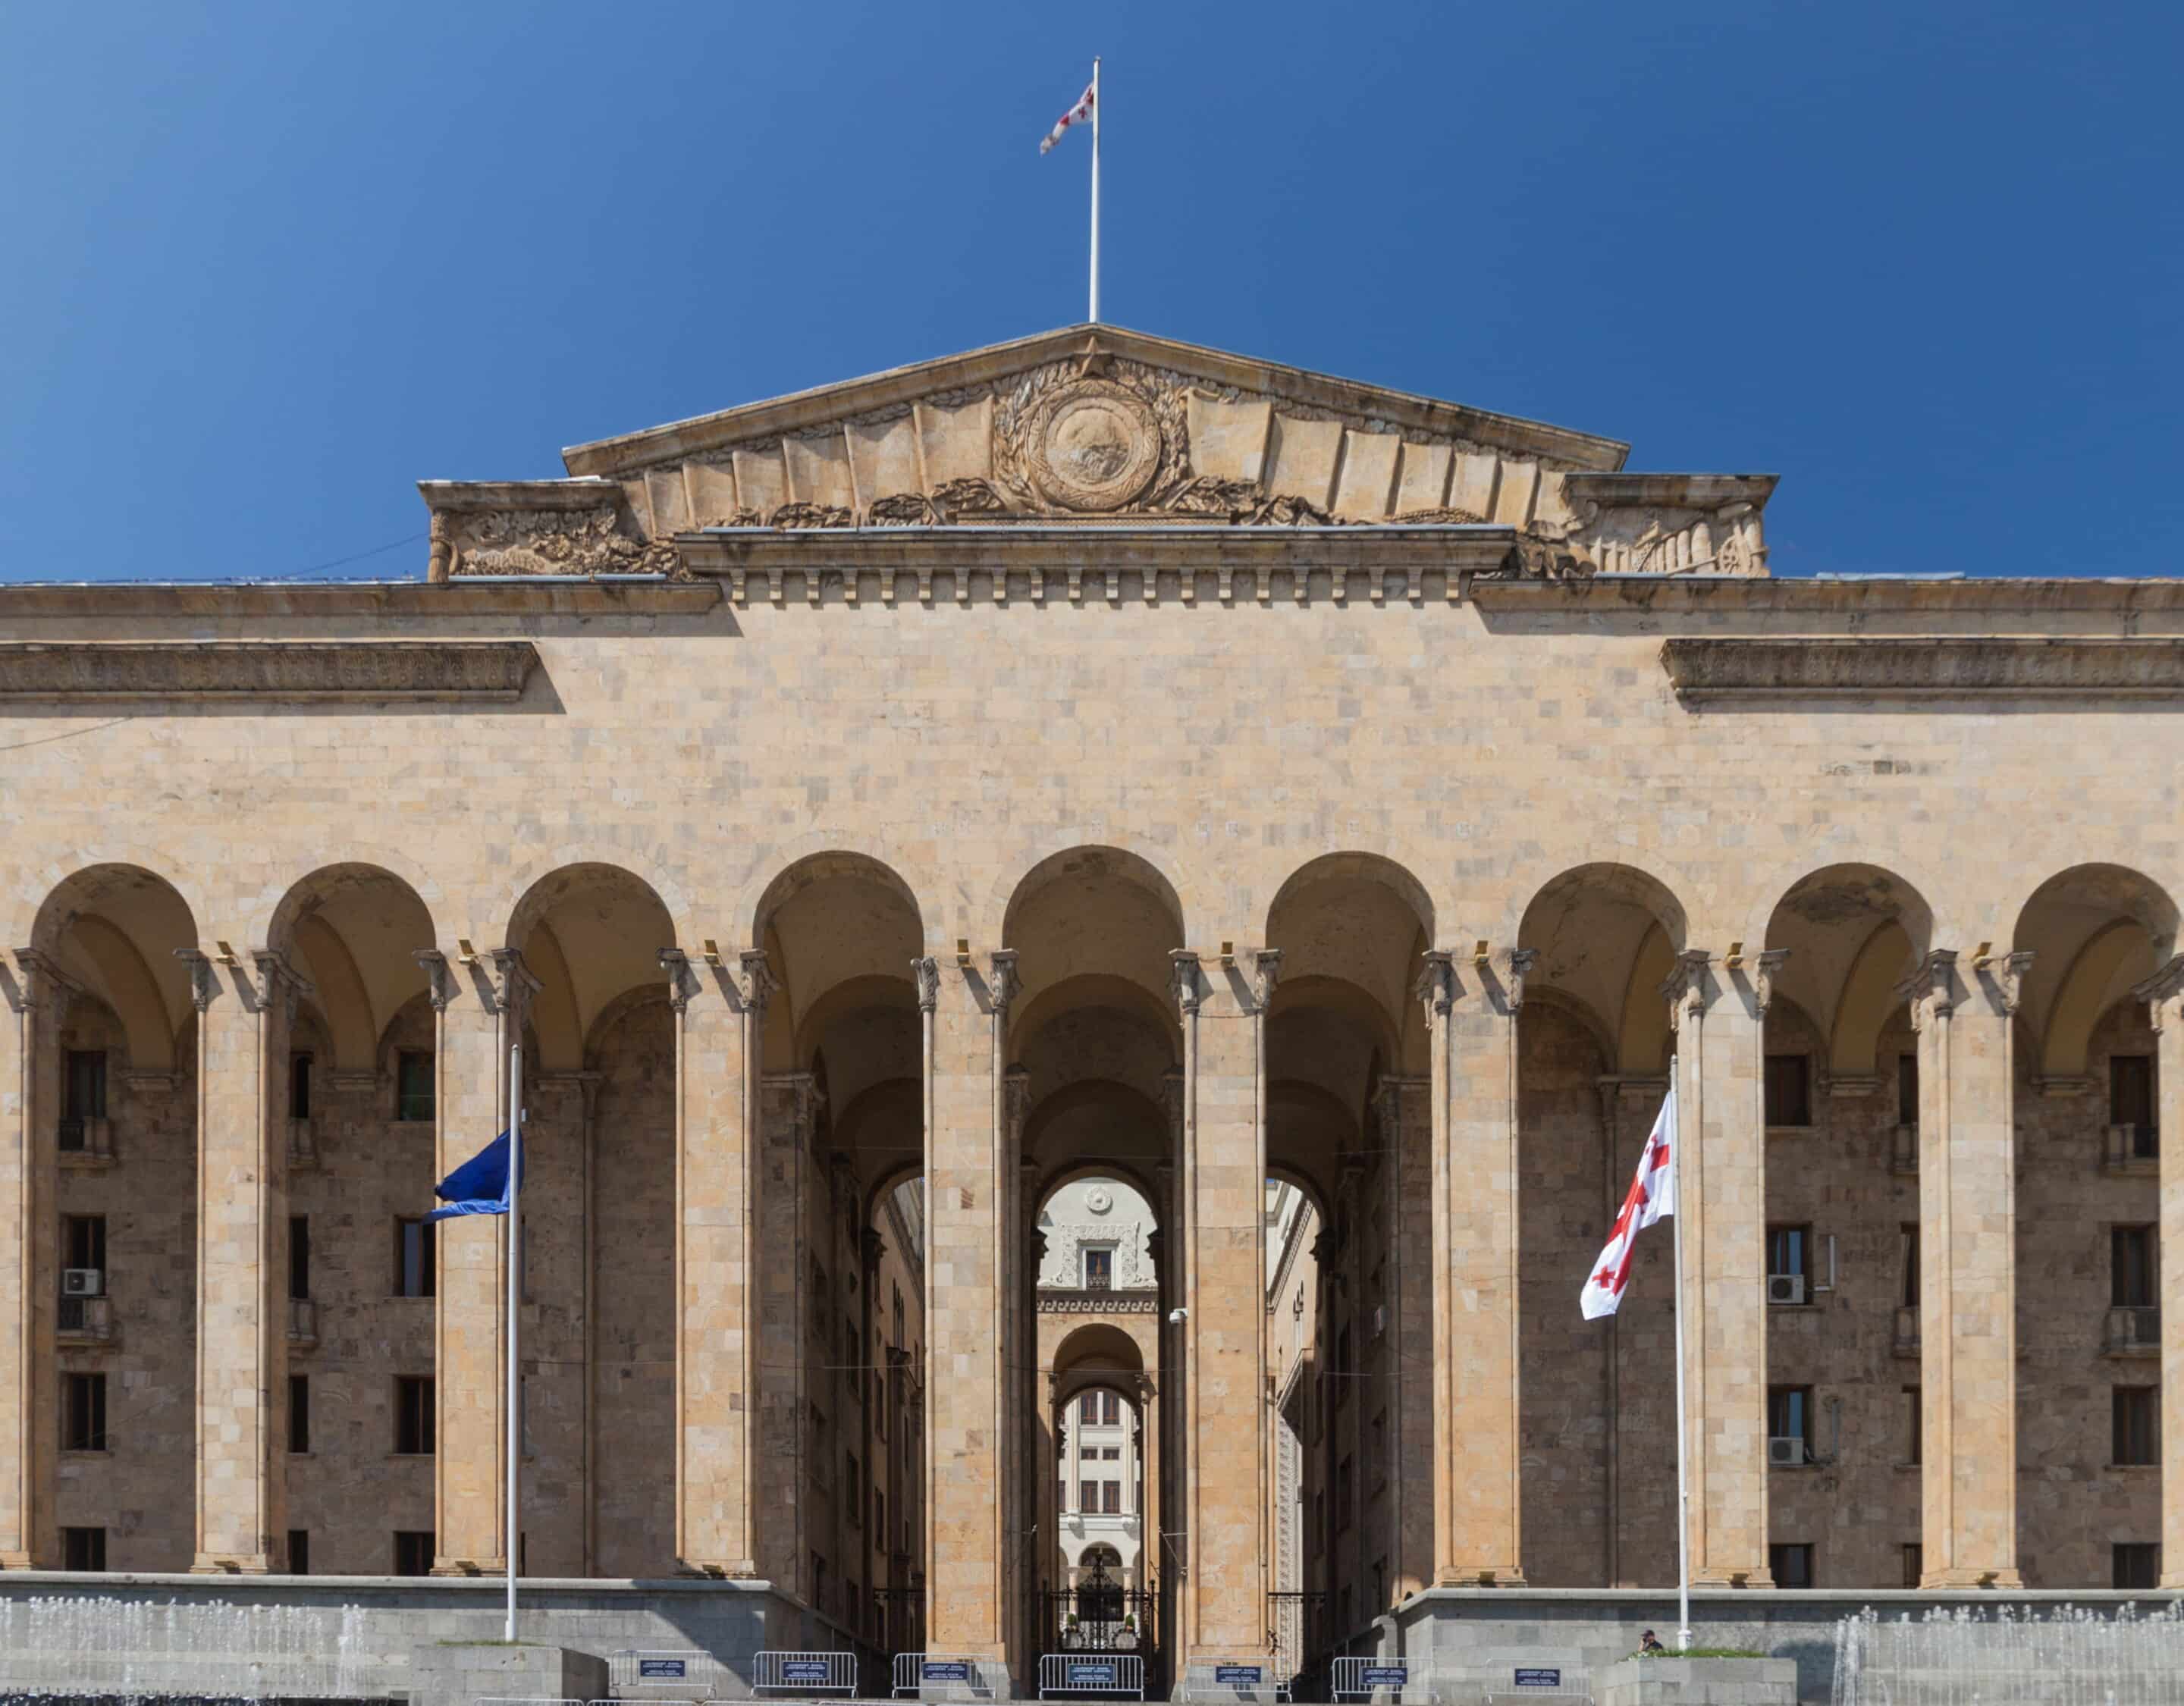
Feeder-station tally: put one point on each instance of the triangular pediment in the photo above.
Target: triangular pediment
(1100, 425)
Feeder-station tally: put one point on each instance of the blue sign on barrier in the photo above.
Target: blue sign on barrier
(1386, 1677)
(1094, 1673)
(1237, 1675)
(946, 1670)
(675, 1667)
(804, 1670)
(1538, 1676)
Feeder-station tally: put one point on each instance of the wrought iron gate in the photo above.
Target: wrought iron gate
(1103, 1615)
(1296, 1629)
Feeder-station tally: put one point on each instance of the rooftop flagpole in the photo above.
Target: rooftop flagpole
(513, 1541)
(1095, 315)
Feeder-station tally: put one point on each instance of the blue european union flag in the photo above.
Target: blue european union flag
(480, 1186)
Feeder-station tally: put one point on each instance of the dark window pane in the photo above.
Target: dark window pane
(413, 1085)
(1907, 1244)
(414, 1257)
(83, 1549)
(2131, 1101)
(1786, 1250)
(83, 1242)
(413, 1552)
(299, 1413)
(299, 1256)
(1792, 1566)
(2131, 1268)
(1914, 1563)
(299, 1552)
(2138, 1564)
(1789, 1089)
(2137, 1424)
(1907, 1090)
(299, 1087)
(413, 1414)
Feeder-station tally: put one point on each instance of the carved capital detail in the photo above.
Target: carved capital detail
(205, 985)
(1521, 962)
(1435, 989)
(1183, 979)
(513, 982)
(755, 980)
(2009, 978)
(927, 972)
(1004, 982)
(1267, 964)
(684, 984)
(1766, 966)
(439, 981)
(2163, 990)
(1930, 989)
(1684, 988)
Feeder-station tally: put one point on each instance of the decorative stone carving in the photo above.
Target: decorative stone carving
(2066, 667)
(76, 669)
(927, 971)
(1090, 445)
(812, 515)
(555, 542)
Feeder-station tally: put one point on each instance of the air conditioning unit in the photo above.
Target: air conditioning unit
(1785, 1451)
(83, 1282)
(1785, 1288)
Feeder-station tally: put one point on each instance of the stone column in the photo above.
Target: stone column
(1223, 1617)
(478, 1007)
(1405, 1126)
(37, 998)
(1722, 1203)
(2164, 995)
(243, 1024)
(965, 1137)
(720, 1028)
(788, 1112)
(1967, 1258)
(1472, 1024)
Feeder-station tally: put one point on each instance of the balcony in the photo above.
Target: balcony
(302, 1144)
(303, 1324)
(2132, 1330)
(86, 1321)
(2132, 1148)
(1907, 1329)
(86, 1142)
(1903, 1155)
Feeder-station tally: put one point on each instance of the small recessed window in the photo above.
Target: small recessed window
(413, 1415)
(414, 1257)
(2135, 1413)
(1789, 1089)
(413, 1085)
(83, 1549)
(413, 1552)
(299, 1552)
(1907, 1090)
(1789, 1251)
(299, 1256)
(300, 1413)
(1791, 1565)
(299, 1086)
(83, 1413)
(1914, 1428)
(1906, 1264)
(2131, 1268)
(1914, 1563)
(1099, 1269)
(1790, 1417)
(2135, 1563)
(83, 1097)
(2131, 1104)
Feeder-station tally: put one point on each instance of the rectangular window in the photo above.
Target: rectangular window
(1111, 1409)
(1791, 1565)
(83, 1549)
(2131, 1268)
(1906, 1260)
(299, 1552)
(413, 1552)
(879, 1517)
(1907, 1090)
(1088, 1496)
(1788, 1249)
(2137, 1412)
(1789, 1089)
(819, 1582)
(413, 1415)
(299, 1095)
(2130, 1101)
(414, 1257)
(1344, 1485)
(83, 1412)
(1914, 1563)
(2135, 1563)
(300, 1413)
(299, 1256)
(1111, 1497)
(853, 1490)
(1087, 1410)
(1342, 1369)
(83, 1095)
(1914, 1428)
(413, 1085)
(83, 1241)
(1790, 1415)
(1099, 1269)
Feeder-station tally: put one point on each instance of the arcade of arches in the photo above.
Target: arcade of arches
(785, 1316)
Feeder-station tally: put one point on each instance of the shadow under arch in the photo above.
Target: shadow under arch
(356, 928)
(116, 931)
(1853, 933)
(2095, 932)
(589, 932)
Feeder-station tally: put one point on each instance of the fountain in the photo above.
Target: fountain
(143, 1650)
(1967, 1656)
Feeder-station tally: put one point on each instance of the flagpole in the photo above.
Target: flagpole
(514, 1538)
(1683, 1484)
(1095, 315)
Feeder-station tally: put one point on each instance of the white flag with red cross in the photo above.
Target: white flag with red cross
(1077, 113)
(1653, 1195)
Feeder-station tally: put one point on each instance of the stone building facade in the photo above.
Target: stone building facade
(1100, 751)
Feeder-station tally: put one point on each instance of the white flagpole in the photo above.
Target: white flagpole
(1094, 314)
(1683, 1486)
(514, 1540)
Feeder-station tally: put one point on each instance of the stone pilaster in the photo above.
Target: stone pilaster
(966, 1029)
(1223, 1608)
(1471, 1018)
(1722, 1204)
(1968, 1257)
(478, 1005)
(2164, 995)
(788, 1115)
(244, 1016)
(38, 999)
(719, 1025)
(1405, 1123)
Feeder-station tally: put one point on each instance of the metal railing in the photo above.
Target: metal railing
(806, 1673)
(525, 1700)
(914, 1670)
(303, 1145)
(1904, 1154)
(303, 1321)
(2134, 1146)
(1907, 1329)
(1104, 1672)
(1370, 1679)
(672, 1671)
(2132, 1330)
(86, 1318)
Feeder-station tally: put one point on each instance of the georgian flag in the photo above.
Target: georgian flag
(1082, 110)
(1653, 1195)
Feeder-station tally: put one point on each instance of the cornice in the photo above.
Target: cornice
(541, 595)
(1713, 595)
(68, 671)
(1718, 670)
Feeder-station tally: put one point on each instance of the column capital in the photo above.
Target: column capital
(439, 981)
(204, 986)
(2163, 989)
(682, 982)
(1766, 964)
(1930, 989)
(1435, 989)
(1521, 962)
(2008, 971)
(1183, 979)
(927, 971)
(1004, 983)
(754, 980)
(1267, 964)
(1684, 988)
(38, 979)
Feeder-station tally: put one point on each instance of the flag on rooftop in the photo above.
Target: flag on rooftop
(1081, 111)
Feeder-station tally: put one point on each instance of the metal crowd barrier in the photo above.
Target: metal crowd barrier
(913, 1670)
(523, 1700)
(637, 1672)
(1370, 1679)
(804, 1673)
(1106, 1673)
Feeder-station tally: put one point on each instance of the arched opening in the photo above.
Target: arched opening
(113, 1149)
(2088, 1095)
(1840, 1096)
(1592, 1053)
(599, 1084)
(894, 1250)
(1100, 1528)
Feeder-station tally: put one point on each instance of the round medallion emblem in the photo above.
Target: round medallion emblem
(1099, 1199)
(1094, 445)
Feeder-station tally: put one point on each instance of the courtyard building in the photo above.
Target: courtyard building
(1098, 915)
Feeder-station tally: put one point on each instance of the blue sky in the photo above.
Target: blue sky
(265, 267)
